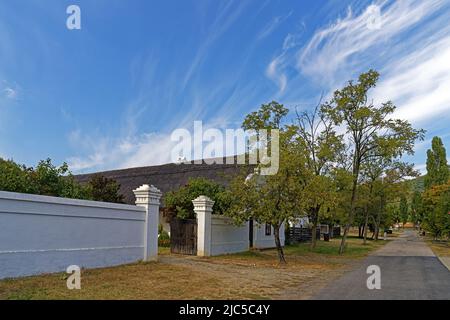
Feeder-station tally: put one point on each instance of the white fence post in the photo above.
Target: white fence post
(203, 208)
(148, 197)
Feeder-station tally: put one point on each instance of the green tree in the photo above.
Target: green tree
(51, 180)
(437, 166)
(317, 138)
(391, 184)
(417, 208)
(15, 178)
(101, 188)
(370, 129)
(436, 206)
(270, 199)
(404, 209)
(179, 201)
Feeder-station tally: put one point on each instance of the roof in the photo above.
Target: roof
(166, 177)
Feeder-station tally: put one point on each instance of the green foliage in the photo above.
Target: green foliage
(371, 131)
(270, 199)
(417, 207)
(436, 207)
(404, 209)
(104, 189)
(437, 167)
(50, 180)
(180, 201)
(317, 140)
(269, 116)
(15, 178)
(45, 179)
(163, 237)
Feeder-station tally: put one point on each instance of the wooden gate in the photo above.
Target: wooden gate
(183, 236)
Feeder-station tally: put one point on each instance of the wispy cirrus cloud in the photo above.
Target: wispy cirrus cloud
(410, 46)
(419, 83)
(351, 42)
(272, 25)
(224, 20)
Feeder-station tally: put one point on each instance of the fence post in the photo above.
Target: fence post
(203, 208)
(148, 197)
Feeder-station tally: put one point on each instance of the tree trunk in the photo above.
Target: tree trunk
(378, 222)
(276, 231)
(365, 227)
(352, 212)
(375, 232)
(366, 209)
(315, 218)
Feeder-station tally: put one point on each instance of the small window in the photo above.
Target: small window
(268, 229)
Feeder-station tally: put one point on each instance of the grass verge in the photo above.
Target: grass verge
(248, 275)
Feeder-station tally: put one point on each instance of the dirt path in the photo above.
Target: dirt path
(263, 281)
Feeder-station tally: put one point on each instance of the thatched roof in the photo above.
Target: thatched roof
(165, 177)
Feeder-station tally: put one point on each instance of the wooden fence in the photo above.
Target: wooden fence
(296, 235)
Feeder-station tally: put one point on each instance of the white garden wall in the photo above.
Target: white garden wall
(226, 237)
(40, 234)
(217, 235)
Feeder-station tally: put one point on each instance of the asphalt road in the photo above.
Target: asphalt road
(409, 271)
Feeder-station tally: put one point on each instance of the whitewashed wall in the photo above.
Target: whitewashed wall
(226, 237)
(261, 241)
(40, 234)
(217, 235)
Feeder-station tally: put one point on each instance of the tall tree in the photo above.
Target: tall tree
(437, 167)
(370, 130)
(389, 186)
(270, 199)
(316, 136)
(436, 203)
(404, 209)
(416, 208)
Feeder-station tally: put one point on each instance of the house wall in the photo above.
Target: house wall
(226, 237)
(40, 234)
(217, 235)
(261, 241)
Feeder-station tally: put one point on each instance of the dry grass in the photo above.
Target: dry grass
(250, 275)
(441, 249)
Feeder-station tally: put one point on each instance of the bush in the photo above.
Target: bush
(49, 180)
(163, 238)
(180, 201)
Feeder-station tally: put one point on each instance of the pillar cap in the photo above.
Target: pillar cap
(203, 202)
(147, 194)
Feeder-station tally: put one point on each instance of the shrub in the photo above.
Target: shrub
(180, 201)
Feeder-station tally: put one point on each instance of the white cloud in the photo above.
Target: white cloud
(9, 90)
(348, 43)
(419, 83)
(275, 72)
(272, 25)
(10, 93)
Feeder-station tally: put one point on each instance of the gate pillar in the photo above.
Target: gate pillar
(203, 209)
(148, 197)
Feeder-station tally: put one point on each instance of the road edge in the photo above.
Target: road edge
(445, 261)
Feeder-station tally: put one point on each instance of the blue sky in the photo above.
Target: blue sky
(109, 95)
